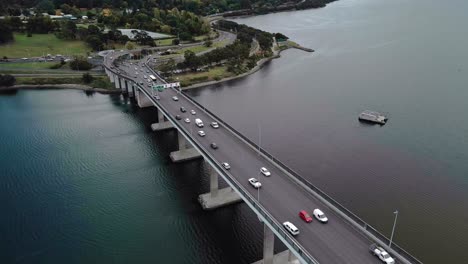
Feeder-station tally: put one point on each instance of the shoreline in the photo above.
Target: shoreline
(259, 65)
(71, 86)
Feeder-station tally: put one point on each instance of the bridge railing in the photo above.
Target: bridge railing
(321, 193)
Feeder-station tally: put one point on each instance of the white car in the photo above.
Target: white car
(291, 228)
(187, 120)
(265, 171)
(226, 165)
(214, 124)
(201, 133)
(193, 112)
(319, 215)
(381, 254)
(175, 98)
(255, 183)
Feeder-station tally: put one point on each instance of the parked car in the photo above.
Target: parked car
(213, 145)
(182, 109)
(178, 117)
(193, 112)
(381, 254)
(265, 172)
(187, 120)
(320, 215)
(214, 125)
(175, 98)
(226, 165)
(255, 183)
(305, 216)
(291, 228)
(201, 133)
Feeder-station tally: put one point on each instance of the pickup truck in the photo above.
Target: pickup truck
(381, 254)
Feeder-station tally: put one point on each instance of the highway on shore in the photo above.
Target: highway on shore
(335, 242)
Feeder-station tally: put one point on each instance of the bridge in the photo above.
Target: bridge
(344, 239)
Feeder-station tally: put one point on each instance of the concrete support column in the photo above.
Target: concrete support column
(160, 116)
(116, 82)
(125, 90)
(112, 77)
(268, 245)
(181, 140)
(213, 182)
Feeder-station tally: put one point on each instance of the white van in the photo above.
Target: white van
(199, 122)
(291, 228)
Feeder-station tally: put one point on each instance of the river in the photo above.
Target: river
(84, 180)
(404, 58)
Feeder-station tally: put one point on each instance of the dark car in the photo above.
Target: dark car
(182, 109)
(213, 145)
(178, 117)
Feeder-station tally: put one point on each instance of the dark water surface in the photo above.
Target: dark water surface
(83, 180)
(405, 58)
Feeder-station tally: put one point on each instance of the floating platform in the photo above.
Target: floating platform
(373, 117)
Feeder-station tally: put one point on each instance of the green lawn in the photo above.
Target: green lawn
(164, 42)
(41, 44)
(26, 65)
(215, 73)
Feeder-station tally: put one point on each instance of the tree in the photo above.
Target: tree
(6, 33)
(95, 42)
(130, 45)
(45, 6)
(175, 41)
(87, 78)
(208, 43)
(80, 64)
(191, 59)
(68, 30)
(279, 36)
(143, 38)
(7, 80)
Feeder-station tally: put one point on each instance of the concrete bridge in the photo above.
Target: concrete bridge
(344, 239)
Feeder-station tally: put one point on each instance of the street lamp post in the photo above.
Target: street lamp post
(393, 229)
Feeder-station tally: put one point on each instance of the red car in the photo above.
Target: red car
(305, 216)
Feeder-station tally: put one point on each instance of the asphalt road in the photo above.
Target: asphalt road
(334, 242)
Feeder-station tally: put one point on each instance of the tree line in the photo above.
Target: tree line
(205, 7)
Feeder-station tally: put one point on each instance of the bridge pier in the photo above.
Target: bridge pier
(285, 257)
(117, 82)
(142, 100)
(184, 153)
(125, 88)
(162, 123)
(217, 197)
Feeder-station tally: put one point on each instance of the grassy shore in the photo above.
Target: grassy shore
(41, 44)
(26, 65)
(214, 74)
(98, 82)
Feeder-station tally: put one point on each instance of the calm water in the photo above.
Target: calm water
(405, 58)
(83, 180)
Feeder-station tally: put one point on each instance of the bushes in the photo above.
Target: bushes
(80, 64)
(7, 80)
(87, 78)
(56, 66)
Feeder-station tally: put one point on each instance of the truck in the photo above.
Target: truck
(198, 122)
(381, 254)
